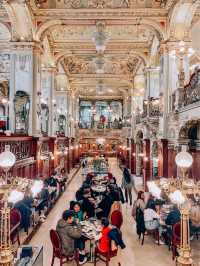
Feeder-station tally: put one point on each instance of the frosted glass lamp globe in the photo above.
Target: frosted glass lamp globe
(7, 160)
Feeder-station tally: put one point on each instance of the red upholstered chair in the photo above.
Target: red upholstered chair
(105, 256)
(15, 221)
(155, 234)
(57, 250)
(176, 238)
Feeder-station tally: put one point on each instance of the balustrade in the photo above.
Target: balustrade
(192, 89)
(151, 109)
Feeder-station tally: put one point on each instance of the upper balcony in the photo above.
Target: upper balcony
(107, 130)
(151, 111)
(189, 96)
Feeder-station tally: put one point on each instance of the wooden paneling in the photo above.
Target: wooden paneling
(172, 169)
(163, 158)
(146, 161)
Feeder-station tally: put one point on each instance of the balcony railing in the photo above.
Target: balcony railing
(192, 89)
(151, 110)
(117, 124)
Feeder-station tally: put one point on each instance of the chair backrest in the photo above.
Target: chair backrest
(56, 243)
(176, 233)
(15, 217)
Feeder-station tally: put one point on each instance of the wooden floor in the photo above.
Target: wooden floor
(133, 255)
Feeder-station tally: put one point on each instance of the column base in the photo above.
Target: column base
(184, 259)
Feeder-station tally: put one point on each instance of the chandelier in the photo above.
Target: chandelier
(100, 87)
(100, 37)
(99, 63)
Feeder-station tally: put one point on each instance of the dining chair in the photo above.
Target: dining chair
(15, 221)
(154, 232)
(105, 256)
(176, 238)
(57, 250)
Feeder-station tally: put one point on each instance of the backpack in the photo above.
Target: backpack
(140, 224)
(134, 210)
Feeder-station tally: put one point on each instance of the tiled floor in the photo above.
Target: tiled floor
(133, 255)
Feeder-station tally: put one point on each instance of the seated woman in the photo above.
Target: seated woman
(103, 244)
(151, 219)
(70, 234)
(115, 216)
(78, 213)
(88, 206)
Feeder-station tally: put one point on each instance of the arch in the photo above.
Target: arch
(151, 24)
(181, 19)
(5, 32)
(189, 130)
(18, 13)
(139, 134)
(45, 26)
(156, 27)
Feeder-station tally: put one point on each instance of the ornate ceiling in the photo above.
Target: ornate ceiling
(66, 28)
(78, 4)
(84, 33)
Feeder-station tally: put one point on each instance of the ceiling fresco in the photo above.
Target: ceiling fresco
(131, 33)
(86, 65)
(93, 4)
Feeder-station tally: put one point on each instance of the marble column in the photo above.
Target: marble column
(26, 77)
(69, 113)
(48, 90)
(164, 90)
(133, 156)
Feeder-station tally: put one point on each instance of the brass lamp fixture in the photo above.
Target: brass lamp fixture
(7, 160)
(177, 191)
(184, 161)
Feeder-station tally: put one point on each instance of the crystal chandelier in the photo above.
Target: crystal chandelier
(99, 87)
(99, 64)
(100, 37)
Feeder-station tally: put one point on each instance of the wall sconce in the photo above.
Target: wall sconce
(146, 159)
(52, 156)
(141, 154)
(42, 157)
(133, 154)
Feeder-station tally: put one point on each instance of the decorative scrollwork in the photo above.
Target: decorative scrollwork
(192, 90)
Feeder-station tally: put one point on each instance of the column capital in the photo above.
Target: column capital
(51, 69)
(26, 46)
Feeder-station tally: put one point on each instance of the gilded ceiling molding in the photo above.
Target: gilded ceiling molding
(156, 27)
(5, 30)
(179, 29)
(151, 24)
(21, 20)
(45, 26)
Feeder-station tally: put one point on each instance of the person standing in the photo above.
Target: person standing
(127, 185)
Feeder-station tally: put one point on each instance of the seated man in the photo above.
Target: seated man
(69, 231)
(173, 217)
